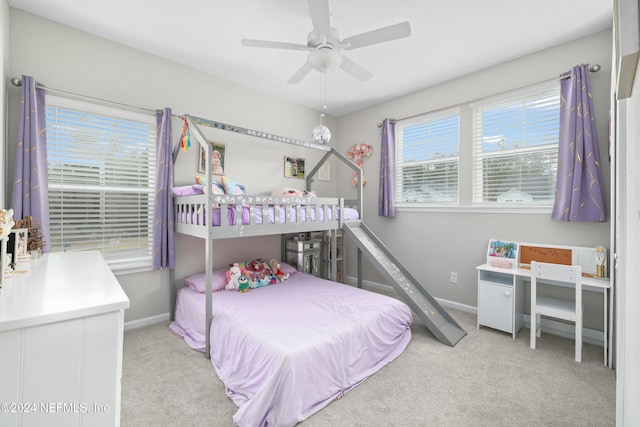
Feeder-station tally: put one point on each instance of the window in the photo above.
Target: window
(516, 147)
(499, 152)
(427, 158)
(101, 167)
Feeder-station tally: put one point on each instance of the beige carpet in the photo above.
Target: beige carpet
(488, 379)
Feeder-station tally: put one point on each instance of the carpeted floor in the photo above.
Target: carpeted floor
(487, 379)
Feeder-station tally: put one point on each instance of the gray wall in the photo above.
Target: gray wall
(432, 244)
(63, 58)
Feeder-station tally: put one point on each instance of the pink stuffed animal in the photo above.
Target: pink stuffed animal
(287, 192)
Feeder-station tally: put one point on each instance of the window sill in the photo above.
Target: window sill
(122, 270)
(497, 209)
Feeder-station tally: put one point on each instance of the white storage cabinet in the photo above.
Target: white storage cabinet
(500, 301)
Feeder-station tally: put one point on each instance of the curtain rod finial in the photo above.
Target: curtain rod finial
(16, 82)
(595, 68)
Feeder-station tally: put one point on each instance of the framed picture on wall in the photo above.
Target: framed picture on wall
(324, 173)
(217, 158)
(293, 167)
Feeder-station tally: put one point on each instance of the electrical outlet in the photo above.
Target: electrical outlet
(454, 278)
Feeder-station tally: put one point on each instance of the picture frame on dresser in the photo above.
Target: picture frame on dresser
(3, 259)
(17, 245)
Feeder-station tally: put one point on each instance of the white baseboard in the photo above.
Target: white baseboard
(549, 326)
(353, 281)
(146, 321)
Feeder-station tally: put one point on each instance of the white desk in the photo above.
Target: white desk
(501, 299)
(61, 333)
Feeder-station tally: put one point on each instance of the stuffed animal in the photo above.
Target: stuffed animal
(287, 192)
(243, 283)
(275, 268)
(232, 275)
(259, 273)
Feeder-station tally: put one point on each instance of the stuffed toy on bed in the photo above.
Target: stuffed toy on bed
(232, 275)
(287, 192)
(243, 283)
(275, 268)
(259, 273)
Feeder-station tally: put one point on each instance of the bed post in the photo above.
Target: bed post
(173, 292)
(208, 220)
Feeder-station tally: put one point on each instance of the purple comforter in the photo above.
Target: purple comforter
(287, 350)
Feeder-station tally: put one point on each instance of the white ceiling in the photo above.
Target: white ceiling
(449, 38)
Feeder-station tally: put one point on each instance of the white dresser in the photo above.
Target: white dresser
(61, 333)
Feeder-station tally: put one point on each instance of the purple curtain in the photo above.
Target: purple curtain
(386, 196)
(163, 245)
(30, 193)
(579, 185)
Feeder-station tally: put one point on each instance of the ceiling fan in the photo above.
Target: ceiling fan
(325, 44)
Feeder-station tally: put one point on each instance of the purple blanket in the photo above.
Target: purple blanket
(286, 351)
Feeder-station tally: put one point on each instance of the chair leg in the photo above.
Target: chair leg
(532, 334)
(579, 341)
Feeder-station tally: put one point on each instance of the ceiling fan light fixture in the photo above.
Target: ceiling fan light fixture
(325, 59)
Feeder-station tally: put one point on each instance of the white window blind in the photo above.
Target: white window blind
(515, 140)
(427, 150)
(101, 166)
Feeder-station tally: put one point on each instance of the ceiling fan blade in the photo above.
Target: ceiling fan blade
(354, 69)
(319, 10)
(301, 73)
(381, 35)
(273, 45)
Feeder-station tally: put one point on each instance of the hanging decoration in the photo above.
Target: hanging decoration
(185, 142)
(321, 134)
(357, 153)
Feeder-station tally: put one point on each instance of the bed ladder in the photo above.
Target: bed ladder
(437, 320)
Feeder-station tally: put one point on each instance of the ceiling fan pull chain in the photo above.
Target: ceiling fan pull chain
(324, 92)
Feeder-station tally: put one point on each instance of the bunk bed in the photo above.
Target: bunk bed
(315, 340)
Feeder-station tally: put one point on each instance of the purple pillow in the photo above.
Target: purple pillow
(198, 282)
(286, 268)
(187, 190)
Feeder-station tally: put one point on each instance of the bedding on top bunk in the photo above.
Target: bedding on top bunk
(197, 216)
(276, 213)
(287, 350)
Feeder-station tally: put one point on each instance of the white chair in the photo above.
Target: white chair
(557, 308)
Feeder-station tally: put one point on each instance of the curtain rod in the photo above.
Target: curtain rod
(18, 82)
(594, 69)
(201, 121)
